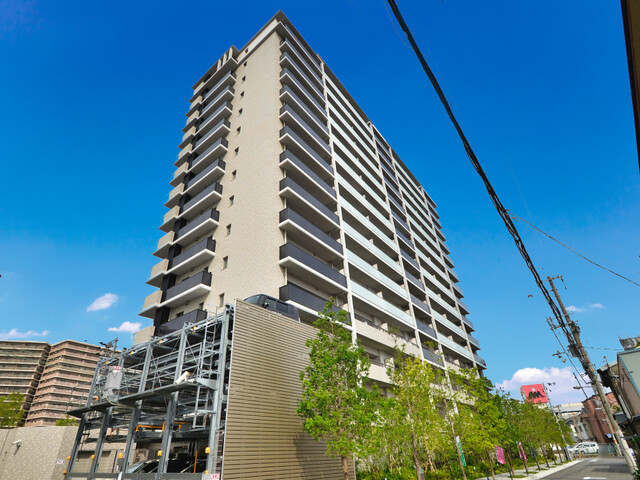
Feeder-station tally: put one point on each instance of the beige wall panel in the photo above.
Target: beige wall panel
(264, 436)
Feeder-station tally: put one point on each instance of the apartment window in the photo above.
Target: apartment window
(238, 130)
(242, 94)
(221, 300)
(232, 199)
(229, 229)
(236, 150)
(239, 112)
(244, 77)
(234, 175)
(225, 262)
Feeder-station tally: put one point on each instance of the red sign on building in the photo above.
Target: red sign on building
(534, 393)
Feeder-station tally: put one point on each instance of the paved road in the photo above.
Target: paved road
(609, 468)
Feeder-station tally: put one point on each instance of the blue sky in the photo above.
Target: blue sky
(92, 102)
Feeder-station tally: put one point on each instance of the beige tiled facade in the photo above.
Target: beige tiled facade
(283, 186)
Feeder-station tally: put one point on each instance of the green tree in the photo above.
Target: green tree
(336, 404)
(66, 421)
(11, 411)
(414, 416)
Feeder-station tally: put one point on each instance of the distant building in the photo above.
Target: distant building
(580, 427)
(65, 381)
(52, 378)
(623, 377)
(595, 415)
(21, 365)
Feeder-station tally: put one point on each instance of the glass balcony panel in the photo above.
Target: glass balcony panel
(310, 228)
(296, 253)
(377, 252)
(288, 183)
(381, 304)
(376, 274)
(308, 151)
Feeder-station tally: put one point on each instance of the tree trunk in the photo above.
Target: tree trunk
(493, 473)
(510, 466)
(535, 457)
(414, 452)
(345, 467)
(432, 467)
(546, 460)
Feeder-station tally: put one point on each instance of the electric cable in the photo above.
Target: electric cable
(568, 247)
(502, 211)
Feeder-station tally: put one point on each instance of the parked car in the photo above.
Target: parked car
(200, 467)
(587, 448)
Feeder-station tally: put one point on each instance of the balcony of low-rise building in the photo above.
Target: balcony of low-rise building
(308, 235)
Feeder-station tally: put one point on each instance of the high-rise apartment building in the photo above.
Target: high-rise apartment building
(64, 383)
(52, 378)
(21, 365)
(283, 186)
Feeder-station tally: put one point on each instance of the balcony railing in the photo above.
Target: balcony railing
(218, 164)
(414, 280)
(298, 142)
(294, 293)
(432, 356)
(409, 259)
(215, 188)
(289, 156)
(420, 304)
(310, 228)
(381, 304)
(479, 360)
(208, 244)
(212, 214)
(423, 327)
(326, 211)
(296, 253)
(194, 316)
(200, 278)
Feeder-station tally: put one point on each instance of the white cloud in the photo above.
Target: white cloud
(128, 327)
(15, 334)
(573, 308)
(596, 305)
(103, 302)
(561, 392)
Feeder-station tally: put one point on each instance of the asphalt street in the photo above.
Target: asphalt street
(600, 468)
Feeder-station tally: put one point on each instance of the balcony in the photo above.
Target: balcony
(380, 278)
(372, 248)
(212, 105)
(164, 243)
(399, 221)
(447, 342)
(468, 323)
(192, 287)
(310, 69)
(293, 75)
(302, 149)
(199, 253)
(205, 199)
(174, 195)
(378, 372)
(158, 271)
(473, 340)
(449, 325)
(210, 144)
(414, 280)
(367, 224)
(207, 176)
(384, 337)
(295, 193)
(381, 305)
(169, 218)
(463, 307)
(432, 357)
(304, 176)
(424, 328)
(305, 233)
(228, 79)
(194, 316)
(420, 304)
(310, 302)
(293, 94)
(197, 227)
(410, 259)
(179, 173)
(301, 264)
(480, 360)
(151, 304)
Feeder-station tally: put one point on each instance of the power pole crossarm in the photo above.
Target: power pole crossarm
(575, 345)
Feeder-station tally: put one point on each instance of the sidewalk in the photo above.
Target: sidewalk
(533, 468)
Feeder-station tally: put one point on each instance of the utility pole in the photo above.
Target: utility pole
(572, 332)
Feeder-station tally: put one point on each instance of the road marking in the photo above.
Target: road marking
(594, 478)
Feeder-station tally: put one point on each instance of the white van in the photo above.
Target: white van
(587, 448)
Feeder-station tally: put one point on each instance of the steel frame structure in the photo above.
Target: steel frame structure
(158, 401)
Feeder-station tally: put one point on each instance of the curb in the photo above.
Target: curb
(554, 469)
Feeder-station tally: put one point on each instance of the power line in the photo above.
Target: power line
(502, 211)
(568, 247)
